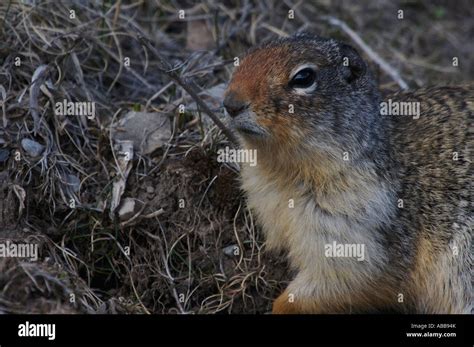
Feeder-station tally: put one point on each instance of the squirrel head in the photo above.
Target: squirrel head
(303, 92)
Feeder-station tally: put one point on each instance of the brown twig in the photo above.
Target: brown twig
(166, 68)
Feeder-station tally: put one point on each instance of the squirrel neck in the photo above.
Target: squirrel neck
(321, 171)
(354, 187)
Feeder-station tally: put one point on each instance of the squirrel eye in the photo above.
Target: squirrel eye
(303, 79)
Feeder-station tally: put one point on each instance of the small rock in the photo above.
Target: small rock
(150, 190)
(4, 155)
(147, 130)
(127, 209)
(31, 147)
(231, 251)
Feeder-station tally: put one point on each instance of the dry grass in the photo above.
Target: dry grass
(181, 259)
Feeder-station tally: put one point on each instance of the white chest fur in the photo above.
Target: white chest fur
(304, 223)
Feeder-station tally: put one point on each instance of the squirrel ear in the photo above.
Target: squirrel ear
(354, 66)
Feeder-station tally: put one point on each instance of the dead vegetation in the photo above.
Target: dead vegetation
(187, 243)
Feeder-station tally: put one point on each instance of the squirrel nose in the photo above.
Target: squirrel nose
(234, 105)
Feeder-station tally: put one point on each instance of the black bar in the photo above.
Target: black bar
(223, 329)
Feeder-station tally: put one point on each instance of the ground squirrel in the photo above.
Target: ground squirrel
(333, 169)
